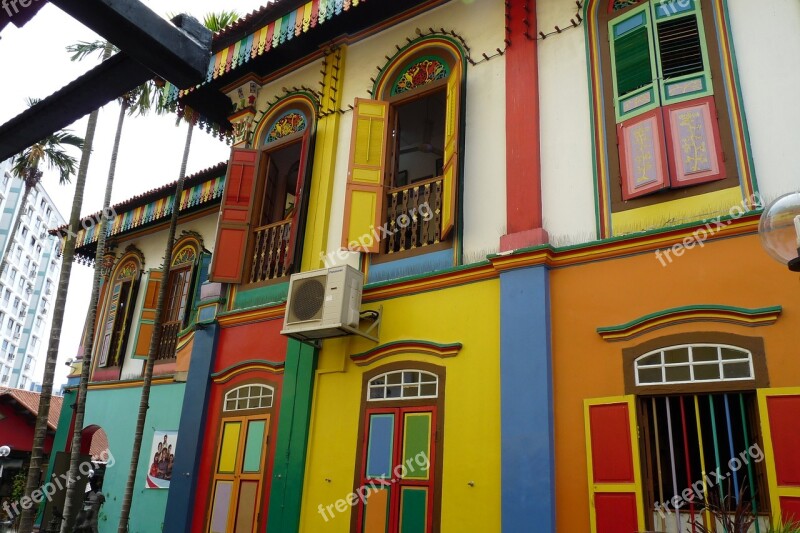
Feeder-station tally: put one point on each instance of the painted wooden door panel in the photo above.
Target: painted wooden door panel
(614, 472)
(779, 410)
(397, 466)
(239, 475)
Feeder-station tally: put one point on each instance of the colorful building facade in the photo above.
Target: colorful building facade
(555, 210)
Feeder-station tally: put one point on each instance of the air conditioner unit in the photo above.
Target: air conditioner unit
(323, 303)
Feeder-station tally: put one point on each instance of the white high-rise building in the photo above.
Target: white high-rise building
(28, 282)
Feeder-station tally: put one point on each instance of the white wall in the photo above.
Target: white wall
(766, 36)
(481, 23)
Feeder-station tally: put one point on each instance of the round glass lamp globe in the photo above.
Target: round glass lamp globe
(779, 229)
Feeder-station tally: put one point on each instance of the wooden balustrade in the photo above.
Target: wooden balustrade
(410, 227)
(270, 251)
(169, 341)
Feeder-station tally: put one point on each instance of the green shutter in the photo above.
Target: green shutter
(633, 61)
(681, 51)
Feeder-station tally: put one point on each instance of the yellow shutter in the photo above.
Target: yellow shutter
(450, 168)
(364, 199)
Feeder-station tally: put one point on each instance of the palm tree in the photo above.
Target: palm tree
(136, 102)
(214, 22)
(26, 166)
(50, 151)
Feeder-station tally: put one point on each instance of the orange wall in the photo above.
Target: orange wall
(735, 272)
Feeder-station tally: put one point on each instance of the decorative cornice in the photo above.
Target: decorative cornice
(126, 384)
(248, 316)
(227, 374)
(764, 316)
(405, 347)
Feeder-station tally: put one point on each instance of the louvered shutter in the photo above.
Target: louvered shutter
(233, 230)
(364, 198)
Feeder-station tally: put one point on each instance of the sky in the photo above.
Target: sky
(35, 64)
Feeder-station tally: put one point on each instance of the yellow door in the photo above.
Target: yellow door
(779, 410)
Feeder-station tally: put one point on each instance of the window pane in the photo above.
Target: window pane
(427, 378)
(376, 392)
(428, 389)
(652, 359)
(253, 446)
(736, 370)
(229, 447)
(650, 375)
(677, 373)
(376, 512)
(680, 355)
(380, 446)
(705, 353)
(410, 377)
(416, 446)
(247, 506)
(728, 353)
(394, 378)
(410, 391)
(221, 506)
(393, 392)
(413, 509)
(632, 58)
(706, 372)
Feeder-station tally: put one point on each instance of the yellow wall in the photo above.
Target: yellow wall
(467, 314)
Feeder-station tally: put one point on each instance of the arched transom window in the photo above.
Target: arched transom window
(249, 397)
(403, 385)
(696, 363)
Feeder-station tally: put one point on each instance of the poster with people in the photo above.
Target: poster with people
(161, 459)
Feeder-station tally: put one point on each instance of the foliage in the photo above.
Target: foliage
(791, 527)
(18, 486)
(735, 516)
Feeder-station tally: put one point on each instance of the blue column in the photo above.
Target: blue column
(180, 500)
(528, 454)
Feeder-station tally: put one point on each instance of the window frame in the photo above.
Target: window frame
(753, 345)
(402, 406)
(104, 359)
(607, 120)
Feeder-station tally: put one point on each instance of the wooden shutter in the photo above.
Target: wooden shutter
(779, 410)
(642, 155)
(108, 326)
(233, 230)
(680, 44)
(693, 144)
(298, 205)
(633, 63)
(364, 198)
(451, 148)
(614, 472)
(147, 317)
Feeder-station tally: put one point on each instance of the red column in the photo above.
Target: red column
(523, 152)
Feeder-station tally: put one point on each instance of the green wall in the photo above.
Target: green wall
(115, 411)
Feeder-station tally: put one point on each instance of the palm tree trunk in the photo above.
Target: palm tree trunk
(72, 501)
(155, 342)
(13, 233)
(40, 431)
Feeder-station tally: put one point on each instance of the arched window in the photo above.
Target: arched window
(404, 162)
(664, 129)
(248, 397)
(263, 208)
(403, 385)
(124, 284)
(699, 363)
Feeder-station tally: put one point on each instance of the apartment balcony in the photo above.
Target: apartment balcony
(406, 201)
(270, 251)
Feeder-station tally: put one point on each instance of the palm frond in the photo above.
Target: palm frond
(82, 49)
(219, 20)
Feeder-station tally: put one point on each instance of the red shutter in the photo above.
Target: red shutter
(780, 425)
(233, 230)
(642, 155)
(693, 144)
(612, 454)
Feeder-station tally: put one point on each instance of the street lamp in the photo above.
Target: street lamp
(779, 229)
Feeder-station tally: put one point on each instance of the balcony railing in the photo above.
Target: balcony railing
(169, 341)
(407, 225)
(270, 252)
